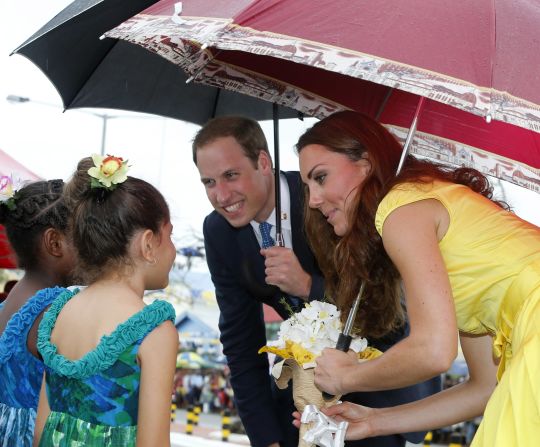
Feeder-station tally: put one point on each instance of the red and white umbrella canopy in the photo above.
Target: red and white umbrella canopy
(476, 62)
(11, 167)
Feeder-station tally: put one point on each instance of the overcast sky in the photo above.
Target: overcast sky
(49, 142)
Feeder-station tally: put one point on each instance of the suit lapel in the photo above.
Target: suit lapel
(252, 266)
(250, 250)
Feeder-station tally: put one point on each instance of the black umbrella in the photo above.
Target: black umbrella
(107, 73)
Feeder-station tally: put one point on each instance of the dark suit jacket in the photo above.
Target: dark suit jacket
(237, 270)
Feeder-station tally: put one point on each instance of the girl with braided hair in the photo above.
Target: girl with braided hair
(35, 219)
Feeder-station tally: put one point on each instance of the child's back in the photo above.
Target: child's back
(96, 388)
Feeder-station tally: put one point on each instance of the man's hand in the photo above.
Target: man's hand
(284, 271)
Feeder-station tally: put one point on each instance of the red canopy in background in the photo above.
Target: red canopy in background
(270, 315)
(9, 166)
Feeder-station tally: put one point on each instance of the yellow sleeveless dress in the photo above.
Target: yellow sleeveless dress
(493, 262)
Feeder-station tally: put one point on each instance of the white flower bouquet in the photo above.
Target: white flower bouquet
(301, 339)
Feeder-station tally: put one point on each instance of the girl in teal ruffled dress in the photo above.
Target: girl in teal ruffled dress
(110, 359)
(35, 218)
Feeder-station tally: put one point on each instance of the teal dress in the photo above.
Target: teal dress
(94, 400)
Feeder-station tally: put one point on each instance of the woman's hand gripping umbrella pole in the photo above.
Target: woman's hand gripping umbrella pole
(345, 337)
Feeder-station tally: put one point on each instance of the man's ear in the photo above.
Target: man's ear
(53, 242)
(147, 246)
(265, 162)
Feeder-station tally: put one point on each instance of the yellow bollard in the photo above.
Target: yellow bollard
(173, 412)
(456, 440)
(225, 425)
(196, 413)
(189, 421)
(428, 438)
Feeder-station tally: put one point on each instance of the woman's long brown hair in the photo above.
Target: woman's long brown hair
(359, 255)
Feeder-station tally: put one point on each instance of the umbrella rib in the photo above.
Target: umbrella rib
(411, 133)
(383, 103)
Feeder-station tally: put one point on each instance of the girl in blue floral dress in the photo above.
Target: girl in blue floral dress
(110, 360)
(35, 218)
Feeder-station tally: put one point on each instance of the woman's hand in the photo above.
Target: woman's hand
(357, 416)
(332, 368)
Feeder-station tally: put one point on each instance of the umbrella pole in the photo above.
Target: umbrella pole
(280, 241)
(410, 135)
(216, 100)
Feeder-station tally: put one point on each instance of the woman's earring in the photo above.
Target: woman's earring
(152, 262)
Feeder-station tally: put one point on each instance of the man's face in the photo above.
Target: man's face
(236, 189)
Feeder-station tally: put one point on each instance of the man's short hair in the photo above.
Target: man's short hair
(245, 131)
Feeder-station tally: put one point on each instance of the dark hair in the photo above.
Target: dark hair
(245, 131)
(37, 206)
(103, 222)
(9, 285)
(359, 255)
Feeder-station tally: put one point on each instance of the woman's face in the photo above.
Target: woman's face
(333, 181)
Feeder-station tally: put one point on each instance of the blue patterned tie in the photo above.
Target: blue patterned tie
(267, 240)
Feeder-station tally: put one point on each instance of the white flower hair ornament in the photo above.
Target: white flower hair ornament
(9, 185)
(108, 171)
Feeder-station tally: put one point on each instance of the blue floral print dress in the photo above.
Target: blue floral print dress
(21, 373)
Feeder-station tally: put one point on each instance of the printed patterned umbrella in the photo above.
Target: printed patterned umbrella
(480, 81)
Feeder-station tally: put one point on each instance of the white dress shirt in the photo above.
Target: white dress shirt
(285, 216)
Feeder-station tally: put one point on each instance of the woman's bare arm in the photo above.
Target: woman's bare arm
(456, 404)
(411, 239)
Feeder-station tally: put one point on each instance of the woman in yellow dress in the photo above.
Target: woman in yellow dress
(467, 265)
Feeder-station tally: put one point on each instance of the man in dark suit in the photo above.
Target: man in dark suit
(236, 169)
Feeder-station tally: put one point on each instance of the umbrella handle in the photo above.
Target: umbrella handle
(343, 344)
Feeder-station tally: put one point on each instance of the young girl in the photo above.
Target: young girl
(35, 218)
(466, 264)
(110, 360)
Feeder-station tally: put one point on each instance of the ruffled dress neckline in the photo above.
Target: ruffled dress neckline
(20, 322)
(109, 348)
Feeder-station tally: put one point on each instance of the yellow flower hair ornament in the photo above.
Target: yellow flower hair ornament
(108, 171)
